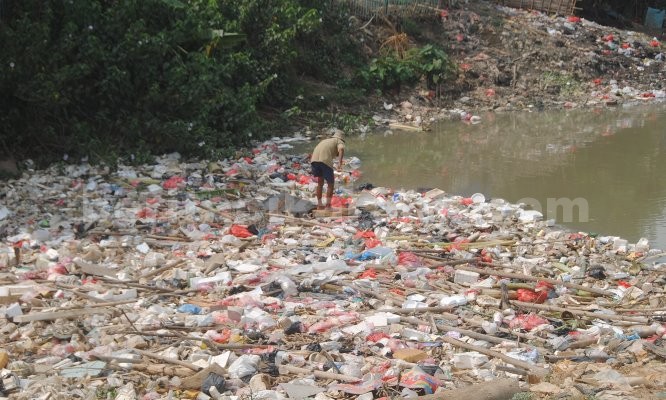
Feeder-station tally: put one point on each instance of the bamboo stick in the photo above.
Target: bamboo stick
(157, 271)
(285, 369)
(473, 334)
(535, 370)
(609, 317)
(414, 311)
(167, 359)
(488, 271)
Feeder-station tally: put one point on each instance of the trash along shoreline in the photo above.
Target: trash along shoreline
(198, 280)
(525, 60)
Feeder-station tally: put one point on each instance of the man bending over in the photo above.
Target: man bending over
(322, 165)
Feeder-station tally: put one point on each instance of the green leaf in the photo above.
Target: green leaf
(174, 3)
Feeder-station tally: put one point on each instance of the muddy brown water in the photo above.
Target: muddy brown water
(600, 170)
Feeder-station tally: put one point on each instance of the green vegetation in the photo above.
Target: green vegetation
(133, 78)
(107, 79)
(393, 70)
(562, 82)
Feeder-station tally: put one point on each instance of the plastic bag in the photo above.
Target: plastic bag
(243, 366)
(339, 202)
(240, 231)
(173, 183)
(213, 380)
(368, 274)
(364, 235)
(530, 296)
(189, 309)
(409, 259)
(288, 286)
(416, 378)
(527, 322)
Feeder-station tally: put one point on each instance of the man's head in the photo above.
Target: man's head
(338, 134)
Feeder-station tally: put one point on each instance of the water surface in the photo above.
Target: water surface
(612, 158)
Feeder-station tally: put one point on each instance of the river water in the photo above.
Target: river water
(600, 171)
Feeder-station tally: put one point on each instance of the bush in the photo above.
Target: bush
(105, 78)
(390, 71)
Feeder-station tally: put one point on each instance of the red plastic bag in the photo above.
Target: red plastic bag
(527, 322)
(339, 202)
(409, 259)
(364, 235)
(372, 242)
(173, 182)
(654, 43)
(240, 231)
(376, 336)
(369, 274)
(530, 296)
(573, 19)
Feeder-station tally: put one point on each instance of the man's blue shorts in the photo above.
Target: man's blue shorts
(321, 170)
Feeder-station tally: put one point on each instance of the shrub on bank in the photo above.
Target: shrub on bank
(105, 78)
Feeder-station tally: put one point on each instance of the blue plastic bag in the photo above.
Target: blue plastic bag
(654, 19)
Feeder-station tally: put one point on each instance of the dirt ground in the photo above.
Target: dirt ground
(510, 59)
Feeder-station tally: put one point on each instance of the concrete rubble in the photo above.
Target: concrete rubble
(192, 280)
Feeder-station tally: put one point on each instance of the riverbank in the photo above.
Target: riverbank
(511, 59)
(135, 279)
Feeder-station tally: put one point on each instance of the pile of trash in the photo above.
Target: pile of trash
(198, 280)
(510, 59)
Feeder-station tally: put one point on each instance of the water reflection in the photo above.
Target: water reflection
(613, 157)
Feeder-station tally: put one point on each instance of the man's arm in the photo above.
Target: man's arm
(341, 151)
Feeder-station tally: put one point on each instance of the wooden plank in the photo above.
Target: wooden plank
(51, 315)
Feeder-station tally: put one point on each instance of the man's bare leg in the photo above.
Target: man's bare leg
(329, 193)
(320, 189)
